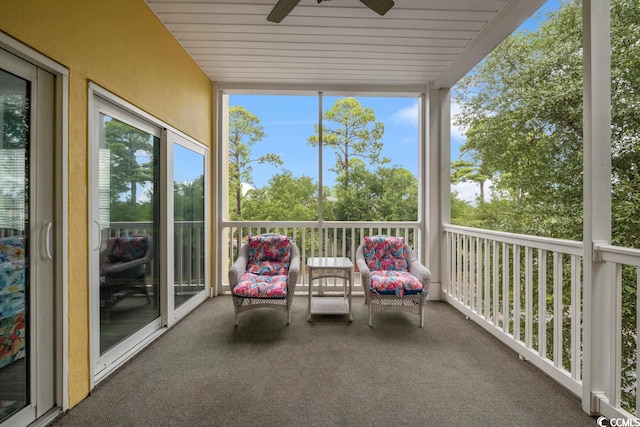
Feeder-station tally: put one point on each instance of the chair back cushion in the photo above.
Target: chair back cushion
(124, 249)
(269, 254)
(385, 253)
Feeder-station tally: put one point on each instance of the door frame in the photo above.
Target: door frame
(61, 209)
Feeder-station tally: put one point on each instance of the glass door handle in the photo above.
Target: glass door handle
(98, 238)
(47, 227)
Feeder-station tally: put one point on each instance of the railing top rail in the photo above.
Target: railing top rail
(133, 224)
(569, 247)
(617, 254)
(325, 224)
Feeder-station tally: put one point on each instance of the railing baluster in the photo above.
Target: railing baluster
(465, 269)
(458, 265)
(479, 276)
(528, 285)
(487, 282)
(557, 309)
(575, 318)
(516, 292)
(615, 336)
(495, 296)
(542, 302)
(505, 287)
(472, 270)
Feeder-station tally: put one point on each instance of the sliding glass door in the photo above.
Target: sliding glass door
(27, 241)
(190, 225)
(149, 231)
(126, 282)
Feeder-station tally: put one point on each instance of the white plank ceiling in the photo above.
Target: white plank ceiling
(341, 42)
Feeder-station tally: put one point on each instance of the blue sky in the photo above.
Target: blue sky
(288, 122)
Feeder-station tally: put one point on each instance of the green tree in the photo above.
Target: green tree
(470, 171)
(355, 194)
(188, 200)
(244, 131)
(131, 160)
(284, 198)
(15, 129)
(388, 194)
(353, 132)
(396, 193)
(522, 107)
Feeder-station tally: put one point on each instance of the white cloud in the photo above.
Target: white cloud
(457, 132)
(469, 191)
(246, 187)
(406, 116)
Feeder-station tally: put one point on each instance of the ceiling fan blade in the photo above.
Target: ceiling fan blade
(379, 6)
(281, 10)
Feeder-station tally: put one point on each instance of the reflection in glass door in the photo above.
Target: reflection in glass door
(27, 240)
(188, 224)
(128, 220)
(14, 251)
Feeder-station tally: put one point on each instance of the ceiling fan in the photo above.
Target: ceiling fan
(284, 7)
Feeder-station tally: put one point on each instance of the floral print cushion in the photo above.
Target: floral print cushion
(268, 268)
(124, 249)
(255, 286)
(385, 253)
(269, 247)
(12, 286)
(395, 282)
(12, 338)
(12, 249)
(12, 299)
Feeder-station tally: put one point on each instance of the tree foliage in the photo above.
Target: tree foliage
(284, 198)
(244, 132)
(131, 166)
(352, 131)
(188, 200)
(522, 107)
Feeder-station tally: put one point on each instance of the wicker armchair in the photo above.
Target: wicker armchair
(392, 276)
(123, 273)
(265, 274)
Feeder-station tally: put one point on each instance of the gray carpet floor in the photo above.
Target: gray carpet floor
(206, 372)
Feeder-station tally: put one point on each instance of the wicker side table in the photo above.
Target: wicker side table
(334, 267)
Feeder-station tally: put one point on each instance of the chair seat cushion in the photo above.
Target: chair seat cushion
(258, 286)
(395, 282)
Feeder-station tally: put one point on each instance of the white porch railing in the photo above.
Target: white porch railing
(335, 238)
(527, 291)
(624, 272)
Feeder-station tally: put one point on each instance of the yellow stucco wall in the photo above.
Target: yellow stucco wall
(123, 47)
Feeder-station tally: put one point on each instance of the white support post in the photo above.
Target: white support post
(598, 309)
(438, 187)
